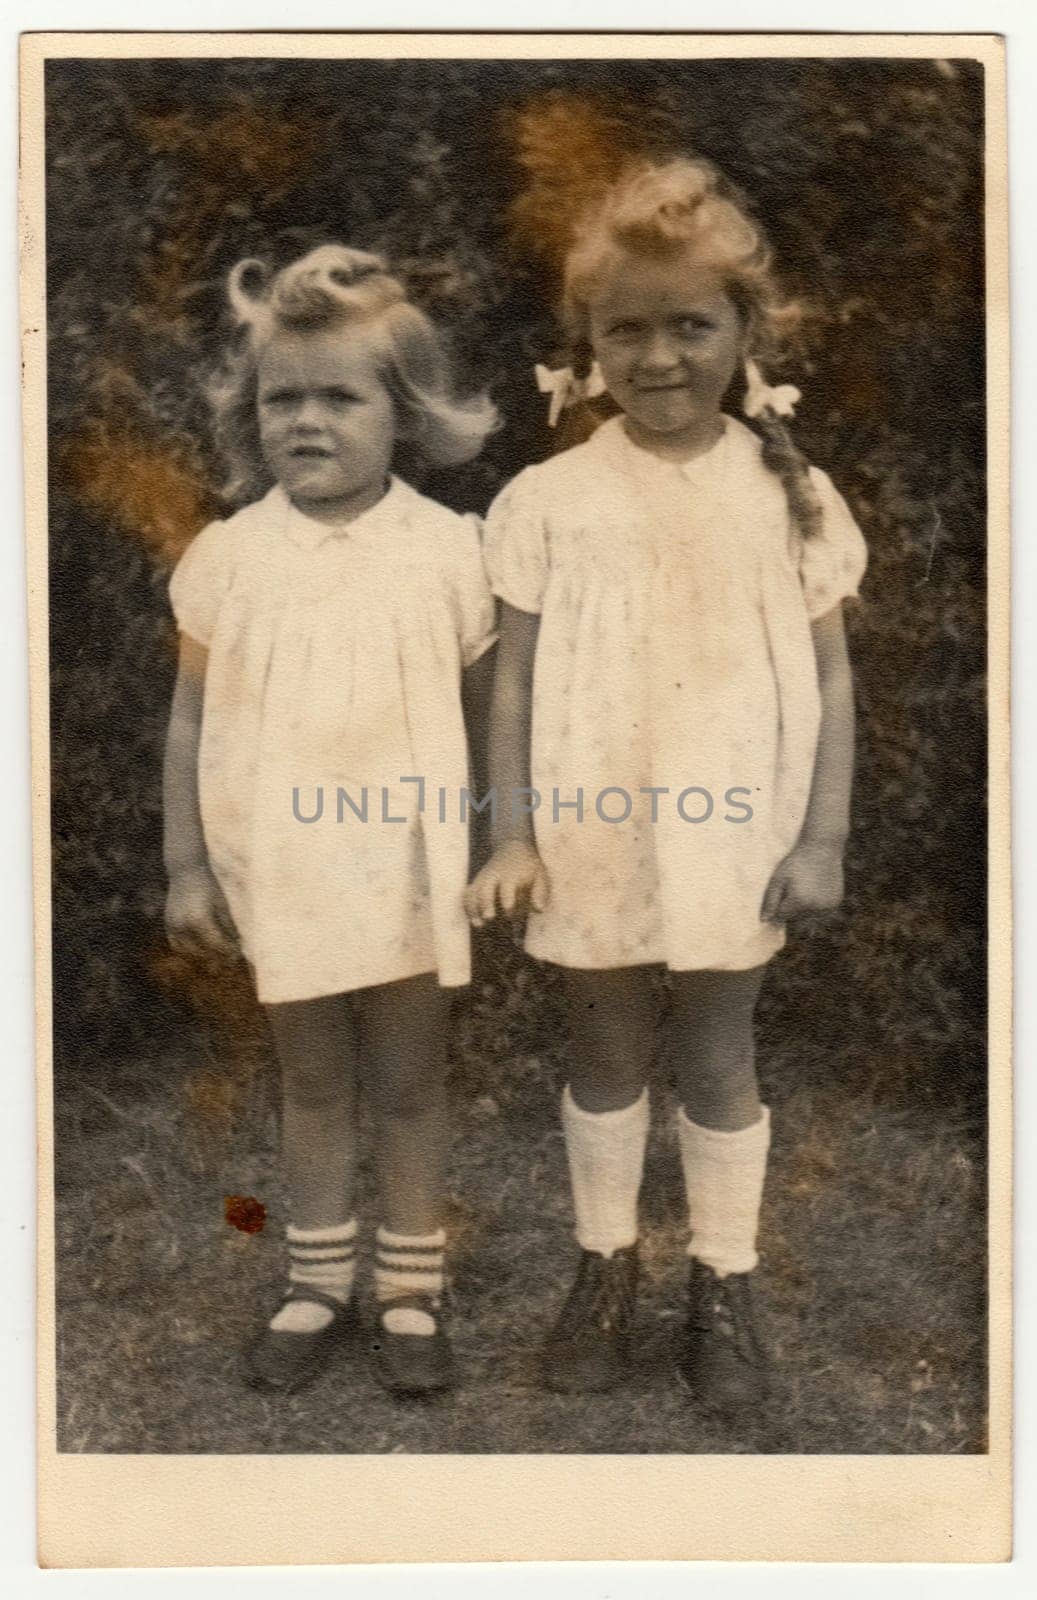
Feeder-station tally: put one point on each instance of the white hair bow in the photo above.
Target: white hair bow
(761, 396)
(566, 389)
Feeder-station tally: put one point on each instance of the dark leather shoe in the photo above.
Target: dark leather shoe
(722, 1358)
(413, 1364)
(281, 1363)
(589, 1347)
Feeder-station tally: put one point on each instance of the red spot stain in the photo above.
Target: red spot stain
(244, 1212)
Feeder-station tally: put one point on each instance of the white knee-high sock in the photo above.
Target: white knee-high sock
(723, 1176)
(606, 1152)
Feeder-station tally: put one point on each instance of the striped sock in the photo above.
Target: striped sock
(408, 1264)
(318, 1258)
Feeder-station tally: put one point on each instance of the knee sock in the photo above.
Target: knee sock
(723, 1176)
(318, 1258)
(408, 1264)
(606, 1151)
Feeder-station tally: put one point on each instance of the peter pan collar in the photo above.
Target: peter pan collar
(614, 437)
(309, 534)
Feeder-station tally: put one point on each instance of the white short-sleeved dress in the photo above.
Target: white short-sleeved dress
(674, 654)
(335, 658)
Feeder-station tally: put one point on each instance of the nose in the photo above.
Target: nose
(659, 353)
(308, 416)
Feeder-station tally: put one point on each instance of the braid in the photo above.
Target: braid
(782, 456)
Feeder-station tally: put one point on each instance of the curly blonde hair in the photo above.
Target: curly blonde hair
(674, 208)
(329, 288)
(686, 208)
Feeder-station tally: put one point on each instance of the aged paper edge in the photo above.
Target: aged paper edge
(153, 1511)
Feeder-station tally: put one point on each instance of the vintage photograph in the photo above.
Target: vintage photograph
(517, 535)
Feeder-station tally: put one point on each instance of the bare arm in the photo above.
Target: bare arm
(183, 841)
(828, 812)
(511, 719)
(810, 878)
(195, 908)
(476, 693)
(515, 875)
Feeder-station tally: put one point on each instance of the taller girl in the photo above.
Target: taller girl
(672, 621)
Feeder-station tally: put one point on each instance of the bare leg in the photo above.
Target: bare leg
(612, 1026)
(403, 1031)
(710, 1046)
(316, 1047)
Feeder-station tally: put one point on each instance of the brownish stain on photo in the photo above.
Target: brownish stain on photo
(245, 1213)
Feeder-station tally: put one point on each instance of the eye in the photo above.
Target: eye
(279, 398)
(337, 396)
(690, 327)
(627, 329)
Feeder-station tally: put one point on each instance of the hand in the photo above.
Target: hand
(515, 876)
(809, 879)
(196, 913)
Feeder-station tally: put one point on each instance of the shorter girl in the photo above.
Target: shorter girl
(324, 630)
(673, 683)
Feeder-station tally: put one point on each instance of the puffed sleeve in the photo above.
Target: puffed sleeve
(201, 580)
(476, 607)
(833, 560)
(516, 545)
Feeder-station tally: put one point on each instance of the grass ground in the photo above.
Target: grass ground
(872, 1244)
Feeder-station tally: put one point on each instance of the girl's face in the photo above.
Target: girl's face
(327, 424)
(668, 338)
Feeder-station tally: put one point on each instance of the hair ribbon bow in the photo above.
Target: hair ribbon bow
(566, 389)
(782, 399)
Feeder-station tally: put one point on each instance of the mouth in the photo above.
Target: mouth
(309, 452)
(661, 388)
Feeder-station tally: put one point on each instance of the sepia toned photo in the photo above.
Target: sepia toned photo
(518, 605)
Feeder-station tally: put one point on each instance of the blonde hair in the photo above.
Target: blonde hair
(668, 210)
(683, 207)
(329, 288)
